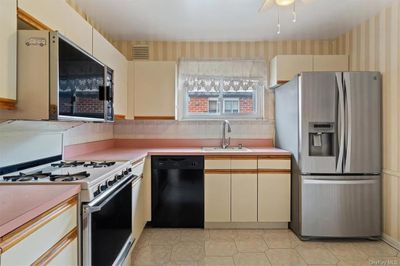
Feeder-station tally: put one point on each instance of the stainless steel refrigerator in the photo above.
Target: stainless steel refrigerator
(331, 122)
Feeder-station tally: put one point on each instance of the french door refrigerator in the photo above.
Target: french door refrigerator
(331, 122)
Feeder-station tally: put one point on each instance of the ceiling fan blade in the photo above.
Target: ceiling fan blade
(267, 4)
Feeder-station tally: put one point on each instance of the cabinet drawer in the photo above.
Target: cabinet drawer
(244, 162)
(274, 164)
(68, 256)
(217, 162)
(37, 237)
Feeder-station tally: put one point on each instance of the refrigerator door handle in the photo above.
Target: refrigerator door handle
(340, 122)
(348, 135)
(339, 182)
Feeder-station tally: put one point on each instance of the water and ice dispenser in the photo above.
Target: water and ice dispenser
(321, 139)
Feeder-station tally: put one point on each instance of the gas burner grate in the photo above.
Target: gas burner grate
(99, 164)
(70, 177)
(26, 177)
(64, 164)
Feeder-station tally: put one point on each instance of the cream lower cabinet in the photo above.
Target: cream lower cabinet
(273, 197)
(247, 191)
(217, 197)
(244, 197)
(50, 239)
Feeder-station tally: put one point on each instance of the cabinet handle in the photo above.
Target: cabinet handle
(57, 248)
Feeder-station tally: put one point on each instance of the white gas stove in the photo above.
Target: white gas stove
(95, 177)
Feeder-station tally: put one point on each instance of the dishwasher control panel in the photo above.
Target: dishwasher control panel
(177, 162)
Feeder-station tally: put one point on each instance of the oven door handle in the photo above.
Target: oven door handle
(101, 201)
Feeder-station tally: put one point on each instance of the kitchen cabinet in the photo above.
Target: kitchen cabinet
(244, 197)
(284, 67)
(331, 63)
(147, 188)
(247, 190)
(8, 54)
(274, 188)
(273, 197)
(59, 15)
(110, 56)
(217, 197)
(154, 87)
(48, 239)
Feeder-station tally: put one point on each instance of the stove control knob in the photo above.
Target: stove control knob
(97, 192)
(129, 169)
(118, 177)
(111, 182)
(103, 187)
(125, 172)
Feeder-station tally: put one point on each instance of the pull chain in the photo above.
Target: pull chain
(278, 26)
(294, 12)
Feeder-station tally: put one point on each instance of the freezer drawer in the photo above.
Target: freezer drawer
(345, 207)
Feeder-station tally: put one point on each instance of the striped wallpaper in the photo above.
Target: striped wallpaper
(166, 50)
(375, 45)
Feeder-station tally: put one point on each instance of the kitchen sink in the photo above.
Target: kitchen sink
(228, 149)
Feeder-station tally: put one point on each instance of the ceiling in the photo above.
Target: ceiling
(226, 20)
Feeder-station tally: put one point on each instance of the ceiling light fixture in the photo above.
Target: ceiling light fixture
(284, 2)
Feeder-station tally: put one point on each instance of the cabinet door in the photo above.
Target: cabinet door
(331, 62)
(8, 53)
(59, 15)
(285, 67)
(138, 207)
(274, 197)
(154, 85)
(244, 197)
(217, 197)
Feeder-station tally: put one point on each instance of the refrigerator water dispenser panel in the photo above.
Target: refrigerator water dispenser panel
(321, 139)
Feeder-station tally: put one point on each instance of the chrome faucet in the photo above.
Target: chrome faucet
(225, 142)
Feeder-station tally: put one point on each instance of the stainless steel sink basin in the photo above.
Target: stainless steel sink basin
(228, 149)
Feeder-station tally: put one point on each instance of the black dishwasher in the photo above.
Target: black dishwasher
(177, 191)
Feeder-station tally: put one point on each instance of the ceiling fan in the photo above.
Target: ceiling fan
(267, 4)
(270, 3)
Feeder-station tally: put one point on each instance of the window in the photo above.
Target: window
(213, 105)
(231, 106)
(223, 89)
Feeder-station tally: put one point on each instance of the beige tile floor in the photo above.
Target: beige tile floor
(197, 247)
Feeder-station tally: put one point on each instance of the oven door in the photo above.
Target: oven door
(107, 226)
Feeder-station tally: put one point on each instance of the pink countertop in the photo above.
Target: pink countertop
(22, 203)
(134, 154)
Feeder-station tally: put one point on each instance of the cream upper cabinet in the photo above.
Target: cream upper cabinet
(331, 63)
(58, 15)
(8, 53)
(154, 86)
(104, 51)
(131, 91)
(244, 197)
(217, 197)
(273, 197)
(284, 67)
